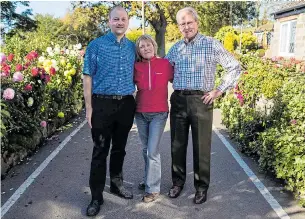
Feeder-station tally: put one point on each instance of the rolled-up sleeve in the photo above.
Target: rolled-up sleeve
(90, 60)
(230, 64)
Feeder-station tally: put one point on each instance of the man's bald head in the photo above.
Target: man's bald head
(115, 8)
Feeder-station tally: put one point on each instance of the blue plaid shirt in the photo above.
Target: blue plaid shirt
(195, 64)
(111, 65)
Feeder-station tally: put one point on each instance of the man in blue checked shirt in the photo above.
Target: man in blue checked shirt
(194, 59)
(110, 106)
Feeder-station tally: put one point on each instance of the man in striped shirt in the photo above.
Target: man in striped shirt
(195, 59)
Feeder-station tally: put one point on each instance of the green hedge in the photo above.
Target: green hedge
(265, 114)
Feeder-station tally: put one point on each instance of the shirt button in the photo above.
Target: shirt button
(121, 68)
(121, 57)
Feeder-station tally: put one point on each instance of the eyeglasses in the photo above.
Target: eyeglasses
(184, 24)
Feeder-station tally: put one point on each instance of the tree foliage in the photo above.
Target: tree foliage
(11, 20)
(86, 22)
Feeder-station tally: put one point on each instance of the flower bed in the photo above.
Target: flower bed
(39, 92)
(273, 132)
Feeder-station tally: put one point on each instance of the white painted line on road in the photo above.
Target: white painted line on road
(259, 185)
(11, 201)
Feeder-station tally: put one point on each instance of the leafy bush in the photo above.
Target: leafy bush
(35, 90)
(230, 41)
(221, 34)
(273, 132)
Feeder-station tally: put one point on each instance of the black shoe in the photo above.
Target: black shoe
(122, 192)
(200, 197)
(94, 207)
(141, 186)
(175, 191)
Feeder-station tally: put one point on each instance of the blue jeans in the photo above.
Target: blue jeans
(150, 128)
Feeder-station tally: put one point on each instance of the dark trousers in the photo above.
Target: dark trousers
(186, 111)
(111, 120)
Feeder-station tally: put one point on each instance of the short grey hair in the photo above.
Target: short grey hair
(188, 10)
(145, 37)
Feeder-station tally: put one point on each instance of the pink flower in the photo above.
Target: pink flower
(43, 124)
(8, 94)
(240, 98)
(10, 57)
(5, 67)
(273, 59)
(18, 76)
(293, 122)
(19, 67)
(28, 87)
(2, 57)
(47, 78)
(35, 72)
(5, 74)
(26, 65)
(32, 55)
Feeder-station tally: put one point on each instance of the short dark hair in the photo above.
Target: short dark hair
(116, 7)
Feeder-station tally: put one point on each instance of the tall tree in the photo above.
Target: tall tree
(11, 20)
(158, 15)
(86, 22)
(214, 15)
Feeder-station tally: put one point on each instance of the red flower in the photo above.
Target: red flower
(5, 68)
(35, 72)
(10, 57)
(26, 65)
(28, 87)
(32, 55)
(52, 71)
(245, 72)
(19, 67)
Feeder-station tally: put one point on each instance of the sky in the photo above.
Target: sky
(60, 8)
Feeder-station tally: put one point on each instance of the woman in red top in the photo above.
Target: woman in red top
(151, 76)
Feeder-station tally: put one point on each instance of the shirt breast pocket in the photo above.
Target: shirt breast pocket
(160, 79)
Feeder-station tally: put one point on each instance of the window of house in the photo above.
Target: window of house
(287, 38)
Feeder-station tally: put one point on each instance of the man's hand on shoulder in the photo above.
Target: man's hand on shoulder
(209, 97)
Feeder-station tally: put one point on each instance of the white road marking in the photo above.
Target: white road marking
(11, 201)
(259, 185)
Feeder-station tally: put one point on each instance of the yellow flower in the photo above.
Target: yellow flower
(69, 65)
(61, 115)
(72, 71)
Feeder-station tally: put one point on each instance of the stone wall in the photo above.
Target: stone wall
(300, 37)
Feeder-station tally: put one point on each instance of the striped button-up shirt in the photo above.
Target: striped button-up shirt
(111, 65)
(195, 64)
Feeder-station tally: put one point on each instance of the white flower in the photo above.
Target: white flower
(57, 50)
(41, 59)
(51, 54)
(30, 102)
(79, 46)
(49, 50)
(54, 63)
(67, 51)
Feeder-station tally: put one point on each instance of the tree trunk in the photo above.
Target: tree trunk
(160, 39)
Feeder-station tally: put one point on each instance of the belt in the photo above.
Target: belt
(113, 97)
(190, 92)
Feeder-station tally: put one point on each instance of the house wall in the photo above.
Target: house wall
(299, 53)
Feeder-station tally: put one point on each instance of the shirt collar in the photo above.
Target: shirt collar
(198, 35)
(113, 38)
(152, 59)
